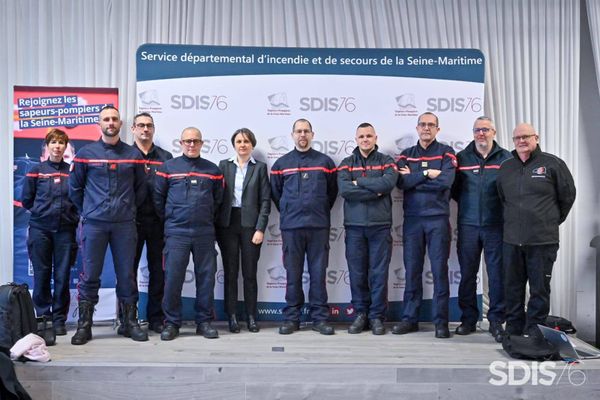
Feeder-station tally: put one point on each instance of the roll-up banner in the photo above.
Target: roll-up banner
(74, 110)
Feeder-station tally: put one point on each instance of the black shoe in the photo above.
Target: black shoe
(234, 327)
(169, 332)
(289, 327)
(497, 331)
(465, 329)
(59, 329)
(252, 325)
(404, 327)
(157, 326)
(359, 324)
(377, 326)
(323, 328)
(442, 331)
(205, 329)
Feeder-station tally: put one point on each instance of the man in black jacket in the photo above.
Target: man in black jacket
(149, 227)
(480, 226)
(537, 192)
(365, 181)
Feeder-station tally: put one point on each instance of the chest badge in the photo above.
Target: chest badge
(476, 171)
(424, 164)
(112, 167)
(305, 175)
(57, 180)
(539, 171)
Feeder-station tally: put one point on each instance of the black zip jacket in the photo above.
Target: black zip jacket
(537, 196)
(154, 159)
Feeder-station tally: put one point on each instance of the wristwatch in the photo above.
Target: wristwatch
(426, 173)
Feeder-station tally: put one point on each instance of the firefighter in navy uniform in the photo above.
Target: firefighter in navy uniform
(537, 192)
(426, 176)
(188, 193)
(365, 180)
(149, 225)
(480, 226)
(304, 189)
(51, 241)
(107, 184)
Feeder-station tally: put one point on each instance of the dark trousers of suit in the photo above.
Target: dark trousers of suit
(233, 240)
(524, 264)
(151, 233)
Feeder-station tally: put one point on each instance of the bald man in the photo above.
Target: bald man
(187, 194)
(537, 192)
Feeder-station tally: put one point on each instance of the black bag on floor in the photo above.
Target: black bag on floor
(17, 316)
(560, 323)
(529, 348)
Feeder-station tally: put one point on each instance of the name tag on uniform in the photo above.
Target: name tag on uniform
(305, 175)
(193, 181)
(475, 171)
(424, 164)
(57, 180)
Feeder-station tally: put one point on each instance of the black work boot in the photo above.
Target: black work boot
(132, 327)
(121, 328)
(84, 324)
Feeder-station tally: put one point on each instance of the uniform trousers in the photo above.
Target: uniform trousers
(311, 244)
(177, 256)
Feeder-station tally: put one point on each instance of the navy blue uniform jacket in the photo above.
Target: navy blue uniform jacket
(475, 188)
(304, 188)
(46, 195)
(424, 197)
(187, 195)
(107, 182)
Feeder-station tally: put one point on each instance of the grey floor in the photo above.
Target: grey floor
(304, 365)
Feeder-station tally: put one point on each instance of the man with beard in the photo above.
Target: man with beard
(304, 189)
(107, 184)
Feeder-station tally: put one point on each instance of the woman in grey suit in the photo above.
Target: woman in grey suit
(241, 224)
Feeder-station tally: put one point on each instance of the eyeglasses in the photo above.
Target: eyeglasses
(522, 137)
(427, 125)
(190, 142)
(142, 126)
(482, 130)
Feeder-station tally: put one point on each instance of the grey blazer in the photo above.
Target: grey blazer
(256, 195)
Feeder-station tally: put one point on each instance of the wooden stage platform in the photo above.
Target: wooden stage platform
(304, 365)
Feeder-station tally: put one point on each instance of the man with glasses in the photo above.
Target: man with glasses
(107, 185)
(537, 192)
(304, 189)
(480, 226)
(149, 226)
(426, 176)
(188, 192)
